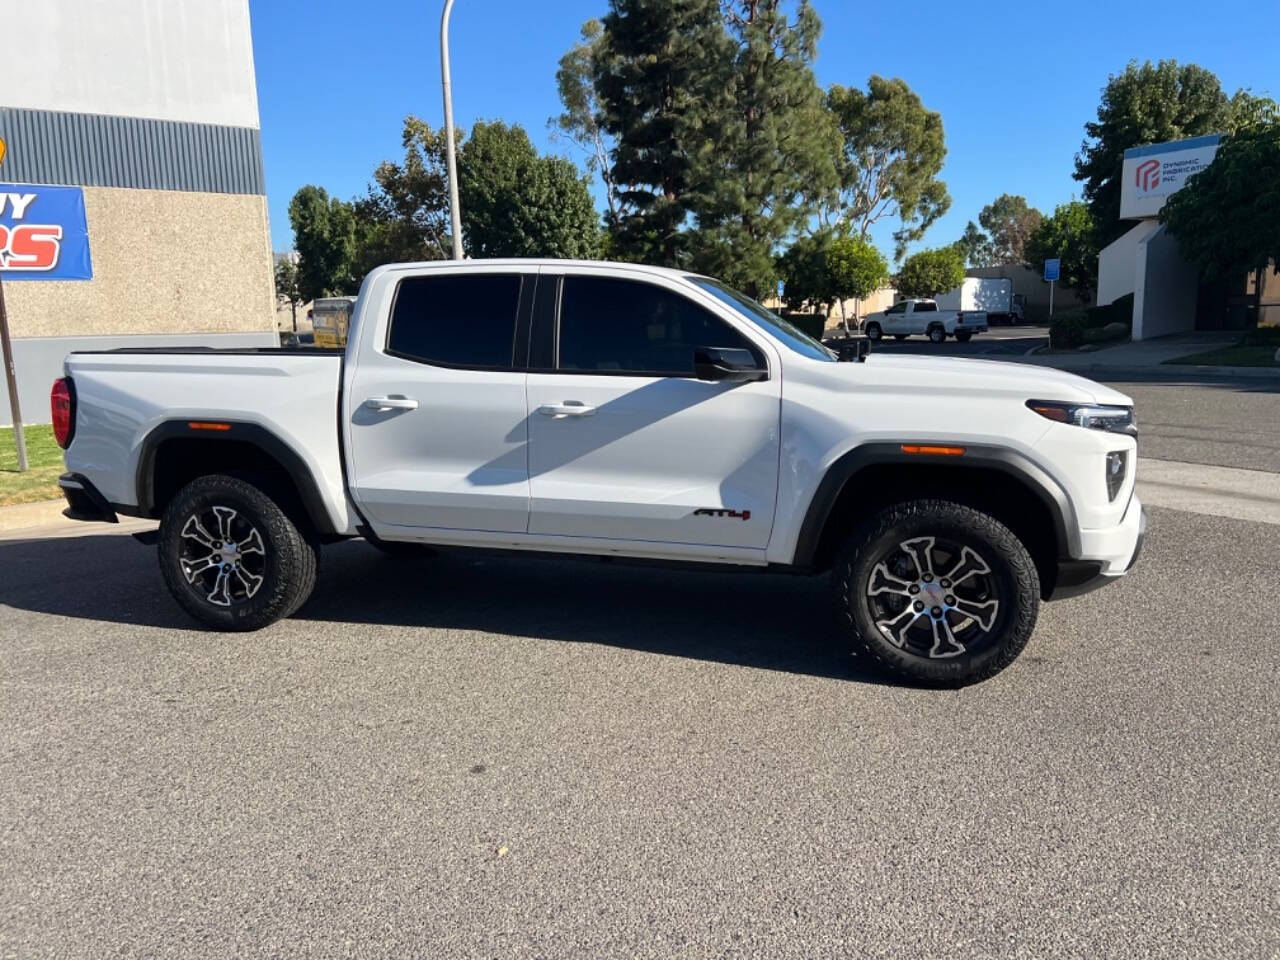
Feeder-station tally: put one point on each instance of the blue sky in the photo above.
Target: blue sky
(1014, 82)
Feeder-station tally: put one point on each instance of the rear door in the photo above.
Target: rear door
(625, 443)
(435, 405)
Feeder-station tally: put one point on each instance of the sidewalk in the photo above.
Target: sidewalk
(1147, 358)
(44, 519)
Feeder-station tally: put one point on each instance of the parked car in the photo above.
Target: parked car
(993, 296)
(908, 318)
(616, 410)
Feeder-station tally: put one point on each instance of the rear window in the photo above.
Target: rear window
(926, 306)
(460, 320)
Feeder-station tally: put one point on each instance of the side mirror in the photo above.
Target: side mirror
(727, 364)
(852, 350)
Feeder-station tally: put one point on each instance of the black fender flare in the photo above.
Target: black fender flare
(1045, 488)
(253, 434)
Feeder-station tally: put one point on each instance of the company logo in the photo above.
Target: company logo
(27, 246)
(727, 514)
(43, 234)
(1146, 176)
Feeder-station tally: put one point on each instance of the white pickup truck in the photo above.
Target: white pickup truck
(615, 410)
(923, 318)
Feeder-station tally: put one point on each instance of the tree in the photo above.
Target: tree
(1068, 235)
(1145, 104)
(856, 270)
(518, 204)
(975, 247)
(582, 119)
(803, 268)
(287, 289)
(771, 149)
(1009, 221)
(930, 272)
(663, 76)
(405, 215)
(1225, 217)
(892, 150)
(324, 236)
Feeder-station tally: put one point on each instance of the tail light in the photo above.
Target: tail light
(62, 400)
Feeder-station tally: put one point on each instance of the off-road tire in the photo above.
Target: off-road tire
(289, 566)
(1011, 568)
(873, 331)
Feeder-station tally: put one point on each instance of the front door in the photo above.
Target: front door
(436, 408)
(625, 443)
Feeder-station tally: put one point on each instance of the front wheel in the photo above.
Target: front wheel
(937, 334)
(231, 557)
(873, 331)
(937, 592)
(964, 337)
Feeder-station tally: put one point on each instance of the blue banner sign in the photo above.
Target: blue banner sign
(43, 233)
(1052, 270)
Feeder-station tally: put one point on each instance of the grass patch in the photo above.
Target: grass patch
(1242, 355)
(44, 456)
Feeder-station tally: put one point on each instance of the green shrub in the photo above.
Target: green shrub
(1118, 311)
(1264, 337)
(1066, 332)
(811, 323)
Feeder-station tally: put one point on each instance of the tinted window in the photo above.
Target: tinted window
(898, 308)
(928, 306)
(779, 329)
(463, 320)
(616, 326)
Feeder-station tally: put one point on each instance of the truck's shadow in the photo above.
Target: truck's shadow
(757, 620)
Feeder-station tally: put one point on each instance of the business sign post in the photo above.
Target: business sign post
(10, 375)
(1052, 271)
(1152, 174)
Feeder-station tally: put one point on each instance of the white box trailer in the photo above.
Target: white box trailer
(992, 295)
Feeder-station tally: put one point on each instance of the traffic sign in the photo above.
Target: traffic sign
(1052, 270)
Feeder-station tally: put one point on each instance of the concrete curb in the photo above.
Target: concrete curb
(45, 519)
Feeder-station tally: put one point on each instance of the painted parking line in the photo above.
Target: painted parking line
(1217, 491)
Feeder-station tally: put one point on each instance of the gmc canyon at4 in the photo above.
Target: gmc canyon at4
(616, 411)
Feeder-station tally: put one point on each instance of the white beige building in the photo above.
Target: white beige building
(135, 211)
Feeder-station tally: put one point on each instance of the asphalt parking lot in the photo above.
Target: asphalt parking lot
(492, 757)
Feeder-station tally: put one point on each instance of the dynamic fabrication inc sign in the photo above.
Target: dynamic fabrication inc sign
(1154, 173)
(43, 233)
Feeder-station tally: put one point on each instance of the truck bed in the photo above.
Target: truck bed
(124, 395)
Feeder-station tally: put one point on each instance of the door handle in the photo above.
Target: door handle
(391, 403)
(570, 408)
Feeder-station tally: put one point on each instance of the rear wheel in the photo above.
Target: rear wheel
(937, 334)
(964, 337)
(873, 331)
(937, 592)
(231, 557)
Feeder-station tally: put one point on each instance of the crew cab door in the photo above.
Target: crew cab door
(625, 442)
(895, 320)
(435, 407)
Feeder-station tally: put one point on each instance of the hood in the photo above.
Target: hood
(1028, 381)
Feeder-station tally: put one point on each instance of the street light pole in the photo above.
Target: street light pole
(455, 214)
(10, 375)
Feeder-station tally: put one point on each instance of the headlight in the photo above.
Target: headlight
(1112, 419)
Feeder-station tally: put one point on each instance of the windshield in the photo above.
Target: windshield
(767, 320)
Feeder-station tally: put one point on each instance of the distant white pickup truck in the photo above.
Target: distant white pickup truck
(923, 318)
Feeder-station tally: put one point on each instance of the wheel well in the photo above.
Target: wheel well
(179, 460)
(1000, 494)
